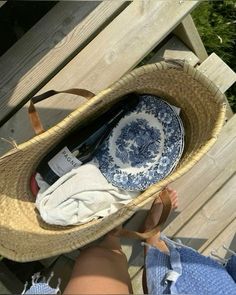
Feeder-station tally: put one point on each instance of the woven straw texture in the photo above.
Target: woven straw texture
(25, 237)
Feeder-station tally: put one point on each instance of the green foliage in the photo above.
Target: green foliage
(216, 23)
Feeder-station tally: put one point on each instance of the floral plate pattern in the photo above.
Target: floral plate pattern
(144, 147)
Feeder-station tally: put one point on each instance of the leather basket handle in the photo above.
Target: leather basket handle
(122, 232)
(33, 114)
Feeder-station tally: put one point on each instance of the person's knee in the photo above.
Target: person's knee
(103, 253)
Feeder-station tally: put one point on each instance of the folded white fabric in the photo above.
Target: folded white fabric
(79, 196)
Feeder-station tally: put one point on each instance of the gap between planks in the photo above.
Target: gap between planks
(197, 188)
(33, 60)
(175, 49)
(137, 29)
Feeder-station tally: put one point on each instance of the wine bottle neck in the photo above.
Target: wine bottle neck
(115, 118)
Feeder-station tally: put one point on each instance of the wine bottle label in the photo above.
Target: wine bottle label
(63, 162)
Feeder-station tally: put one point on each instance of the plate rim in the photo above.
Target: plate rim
(143, 186)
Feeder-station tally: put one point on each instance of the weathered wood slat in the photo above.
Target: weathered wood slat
(218, 71)
(188, 33)
(175, 49)
(208, 194)
(137, 282)
(211, 218)
(48, 46)
(215, 162)
(62, 268)
(3, 289)
(221, 74)
(9, 283)
(105, 59)
(196, 204)
(2, 3)
(214, 236)
(227, 237)
(136, 30)
(135, 223)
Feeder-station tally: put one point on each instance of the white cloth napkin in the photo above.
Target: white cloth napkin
(79, 196)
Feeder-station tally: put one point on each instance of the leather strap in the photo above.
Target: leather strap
(122, 232)
(33, 114)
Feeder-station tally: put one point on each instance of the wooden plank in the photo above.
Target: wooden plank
(138, 29)
(2, 3)
(137, 283)
(208, 185)
(196, 204)
(134, 251)
(132, 248)
(136, 264)
(73, 254)
(47, 47)
(220, 73)
(9, 281)
(175, 49)
(212, 218)
(62, 268)
(3, 289)
(227, 238)
(134, 30)
(47, 262)
(221, 227)
(215, 162)
(188, 33)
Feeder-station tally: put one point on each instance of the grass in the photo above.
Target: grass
(216, 23)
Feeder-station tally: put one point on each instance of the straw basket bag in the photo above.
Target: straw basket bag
(24, 236)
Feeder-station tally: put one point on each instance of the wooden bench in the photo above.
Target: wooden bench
(91, 45)
(94, 64)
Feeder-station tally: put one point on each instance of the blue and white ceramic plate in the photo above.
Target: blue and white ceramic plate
(144, 147)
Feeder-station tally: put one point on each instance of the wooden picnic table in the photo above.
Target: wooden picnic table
(92, 44)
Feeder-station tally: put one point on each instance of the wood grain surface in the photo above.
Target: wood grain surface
(188, 33)
(117, 49)
(47, 47)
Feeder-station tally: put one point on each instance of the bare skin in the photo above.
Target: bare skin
(103, 269)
